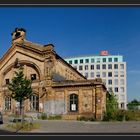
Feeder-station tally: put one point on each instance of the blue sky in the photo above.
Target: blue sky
(80, 31)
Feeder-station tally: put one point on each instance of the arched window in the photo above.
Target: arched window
(7, 103)
(34, 103)
(73, 102)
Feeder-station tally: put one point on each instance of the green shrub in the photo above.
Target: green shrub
(132, 115)
(107, 116)
(42, 116)
(85, 118)
(120, 115)
(92, 119)
(82, 118)
(55, 117)
(127, 118)
(114, 116)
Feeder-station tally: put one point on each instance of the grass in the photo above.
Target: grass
(123, 115)
(56, 117)
(43, 116)
(26, 126)
(86, 118)
(133, 115)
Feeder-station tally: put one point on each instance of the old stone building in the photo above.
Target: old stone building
(58, 88)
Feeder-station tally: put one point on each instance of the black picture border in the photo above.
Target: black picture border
(68, 2)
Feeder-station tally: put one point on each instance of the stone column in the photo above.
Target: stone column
(80, 101)
(42, 95)
(65, 101)
(98, 100)
(93, 100)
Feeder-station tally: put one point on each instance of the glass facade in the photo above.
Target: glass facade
(104, 59)
(81, 61)
(109, 66)
(80, 67)
(86, 60)
(92, 67)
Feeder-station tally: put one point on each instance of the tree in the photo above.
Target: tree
(111, 106)
(111, 102)
(20, 88)
(133, 105)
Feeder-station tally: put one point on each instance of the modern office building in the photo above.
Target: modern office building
(111, 68)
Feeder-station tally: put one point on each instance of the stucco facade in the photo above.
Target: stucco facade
(58, 88)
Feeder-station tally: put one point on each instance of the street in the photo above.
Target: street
(81, 127)
(5, 132)
(62, 126)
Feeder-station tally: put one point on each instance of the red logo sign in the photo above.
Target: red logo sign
(104, 53)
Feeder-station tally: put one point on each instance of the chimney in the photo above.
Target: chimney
(18, 35)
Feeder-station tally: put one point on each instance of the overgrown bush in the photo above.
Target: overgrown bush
(119, 115)
(42, 116)
(132, 115)
(55, 117)
(85, 118)
(122, 115)
(107, 116)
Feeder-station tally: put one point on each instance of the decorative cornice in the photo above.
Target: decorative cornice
(32, 47)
